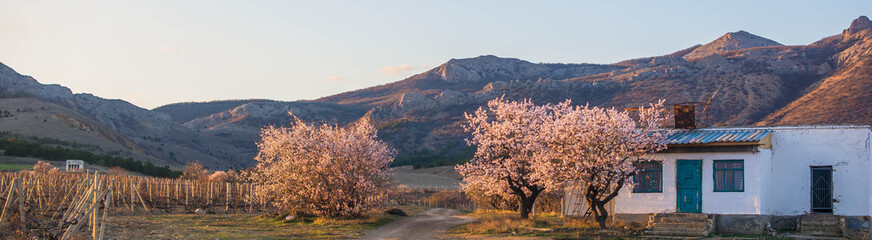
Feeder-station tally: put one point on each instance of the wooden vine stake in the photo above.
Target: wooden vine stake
(15, 189)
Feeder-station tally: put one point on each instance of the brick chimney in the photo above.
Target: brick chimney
(684, 118)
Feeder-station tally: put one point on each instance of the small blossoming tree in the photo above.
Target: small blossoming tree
(508, 150)
(325, 170)
(598, 147)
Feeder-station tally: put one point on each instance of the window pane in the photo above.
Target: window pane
(637, 182)
(648, 178)
(729, 175)
(736, 165)
(738, 178)
(728, 180)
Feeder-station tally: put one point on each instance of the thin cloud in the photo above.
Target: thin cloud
(401, 69)
(335, 78)
(169, 50)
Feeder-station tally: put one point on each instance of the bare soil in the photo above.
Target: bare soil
(432, 224)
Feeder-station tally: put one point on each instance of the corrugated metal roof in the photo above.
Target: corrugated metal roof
(717, 136)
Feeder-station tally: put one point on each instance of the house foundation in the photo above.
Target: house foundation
(823, 225)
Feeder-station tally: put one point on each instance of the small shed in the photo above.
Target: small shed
(74, 165)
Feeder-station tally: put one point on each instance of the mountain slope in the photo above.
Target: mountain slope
(422, 115)
(140, 131)
(465, 75)
(758, 82)
(187, 111)
(729, 42)
(846, 95)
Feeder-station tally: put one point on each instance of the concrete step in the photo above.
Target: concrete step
(680, 229)
(820, 225)
(825, 232)
(688, 216)
(686, 225)
(816, 222)
(668, 225)
(820, 218)
(682, 220)
(675, 233)
(652, 237)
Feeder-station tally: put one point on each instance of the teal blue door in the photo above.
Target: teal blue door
(689, 185)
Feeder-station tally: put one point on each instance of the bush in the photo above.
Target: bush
(498, 223)
(117, 171)
(224, 176)
(447, 199)
(44, 168)
(492, 202)
(195, 171)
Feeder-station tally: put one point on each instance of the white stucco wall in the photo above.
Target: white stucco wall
(746, 202)
(777, 180)
(796, 149)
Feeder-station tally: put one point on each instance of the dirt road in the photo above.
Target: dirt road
(432, 225)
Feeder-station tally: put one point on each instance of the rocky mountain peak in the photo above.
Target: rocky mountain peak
(484, 67)
(859, 24)
(729, 42)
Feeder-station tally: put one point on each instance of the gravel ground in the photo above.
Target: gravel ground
(432, 225)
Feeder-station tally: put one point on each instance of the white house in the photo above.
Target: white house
(74, 165)
(756, 172)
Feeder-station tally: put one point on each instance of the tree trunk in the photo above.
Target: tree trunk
(598, 206)
(527, 202)
(526, 206)
(603, 214)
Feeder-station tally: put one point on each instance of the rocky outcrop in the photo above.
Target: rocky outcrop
(487, 67)
(859, 24)
(414, 100)
(449, 97)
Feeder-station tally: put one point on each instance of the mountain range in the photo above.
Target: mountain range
(749, 79)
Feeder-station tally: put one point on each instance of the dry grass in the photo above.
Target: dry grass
(239, 226)
(246, 226)
(552, 225)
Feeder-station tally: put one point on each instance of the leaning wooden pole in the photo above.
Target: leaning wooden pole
(81, 220)
(106, 203)
(6, 206)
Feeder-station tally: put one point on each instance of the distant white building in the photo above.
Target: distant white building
(74, 165)
(758, 173)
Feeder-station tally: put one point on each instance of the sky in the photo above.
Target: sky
(155, 52)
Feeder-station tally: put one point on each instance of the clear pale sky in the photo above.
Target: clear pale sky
(153, 53)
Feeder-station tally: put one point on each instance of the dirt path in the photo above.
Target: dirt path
(432, 225)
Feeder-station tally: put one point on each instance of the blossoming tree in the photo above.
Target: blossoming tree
(525, 149)
(597, 148)
(508, 150)
(326, 170)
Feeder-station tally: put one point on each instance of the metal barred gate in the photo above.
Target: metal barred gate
(822, 189)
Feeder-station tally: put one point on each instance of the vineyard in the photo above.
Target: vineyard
(58, 205)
